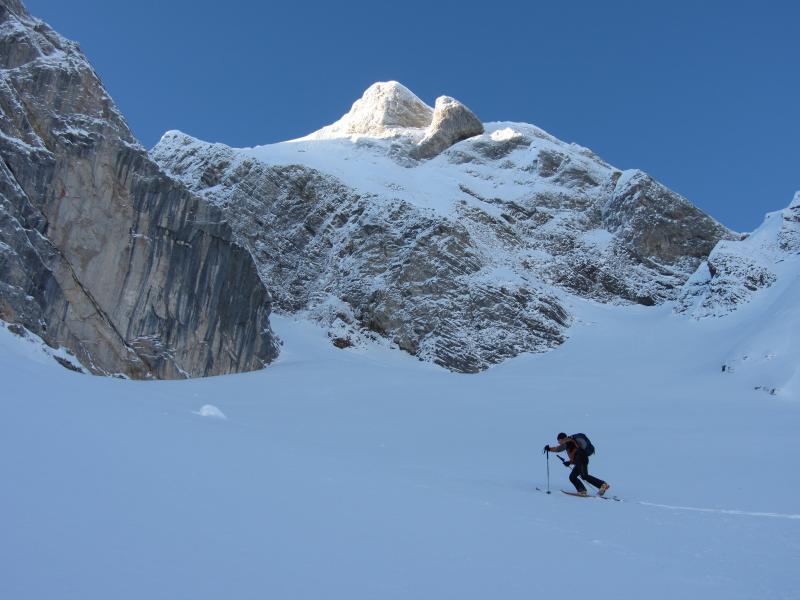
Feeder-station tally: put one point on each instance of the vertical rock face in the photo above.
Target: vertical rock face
(100, 251)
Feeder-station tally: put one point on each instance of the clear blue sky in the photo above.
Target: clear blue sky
(703, 95)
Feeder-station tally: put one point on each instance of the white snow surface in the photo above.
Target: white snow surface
(363, 473)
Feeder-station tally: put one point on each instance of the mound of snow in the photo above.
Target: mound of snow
(209, 410)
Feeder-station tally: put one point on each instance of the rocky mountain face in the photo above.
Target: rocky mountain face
(736, 271)
(100, 252)
(461, 243)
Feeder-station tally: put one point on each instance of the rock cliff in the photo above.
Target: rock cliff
(100, 252)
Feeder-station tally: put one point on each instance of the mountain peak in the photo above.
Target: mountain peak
(386, 108)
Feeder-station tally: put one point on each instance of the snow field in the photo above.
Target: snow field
(356, 474)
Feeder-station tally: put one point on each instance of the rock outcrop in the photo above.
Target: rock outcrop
(452, 122)
(385, 109)
(100, 252)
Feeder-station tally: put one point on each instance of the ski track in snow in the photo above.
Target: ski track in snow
(722, 511)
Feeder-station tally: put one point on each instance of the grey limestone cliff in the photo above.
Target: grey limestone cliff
(100, 252)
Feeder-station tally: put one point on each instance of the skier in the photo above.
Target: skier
(578, 449)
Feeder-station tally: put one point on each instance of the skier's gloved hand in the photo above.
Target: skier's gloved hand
(546, 450)
(567, 463)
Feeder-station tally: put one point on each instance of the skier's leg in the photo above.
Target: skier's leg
(573, 477)
(589, 478)
(598, 483)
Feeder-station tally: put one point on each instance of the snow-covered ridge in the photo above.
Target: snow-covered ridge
(737, 270)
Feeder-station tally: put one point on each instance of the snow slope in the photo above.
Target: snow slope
(364, 473)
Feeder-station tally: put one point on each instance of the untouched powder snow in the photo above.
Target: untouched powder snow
(366, 474)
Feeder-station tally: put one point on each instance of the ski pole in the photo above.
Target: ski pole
(548, 471)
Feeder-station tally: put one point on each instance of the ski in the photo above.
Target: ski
(614, 498)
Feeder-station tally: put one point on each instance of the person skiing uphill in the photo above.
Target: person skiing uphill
(578, 449)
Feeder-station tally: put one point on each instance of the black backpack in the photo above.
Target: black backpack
(589, 445)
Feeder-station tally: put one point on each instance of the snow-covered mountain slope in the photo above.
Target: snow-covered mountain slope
(367, 474)
(756, 282)
(464, 259)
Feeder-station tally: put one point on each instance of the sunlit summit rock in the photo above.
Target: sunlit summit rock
(389, 110)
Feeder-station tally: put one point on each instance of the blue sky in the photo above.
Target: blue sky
(703, 95)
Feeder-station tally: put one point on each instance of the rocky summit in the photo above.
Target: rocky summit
(100, 251)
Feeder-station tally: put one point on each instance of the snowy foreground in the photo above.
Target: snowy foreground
(366, 474)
